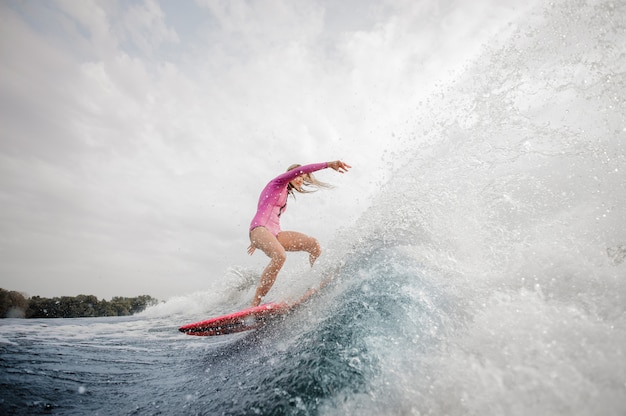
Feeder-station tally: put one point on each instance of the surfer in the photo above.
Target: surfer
(265, 232)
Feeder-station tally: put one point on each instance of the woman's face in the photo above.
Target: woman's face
(297, 182)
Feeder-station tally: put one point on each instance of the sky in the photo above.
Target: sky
(136, 136)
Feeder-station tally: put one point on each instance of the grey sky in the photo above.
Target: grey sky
(135, 136)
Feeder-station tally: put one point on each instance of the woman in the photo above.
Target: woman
(265, 232)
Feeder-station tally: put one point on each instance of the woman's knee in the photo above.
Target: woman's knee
(278, 258)
(315, 249)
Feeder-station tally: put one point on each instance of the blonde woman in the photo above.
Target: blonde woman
(265, 232)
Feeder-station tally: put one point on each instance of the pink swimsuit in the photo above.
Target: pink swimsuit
(273, 199)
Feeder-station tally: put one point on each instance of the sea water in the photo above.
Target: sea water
(487, 278)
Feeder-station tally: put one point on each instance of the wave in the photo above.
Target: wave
(488, 276)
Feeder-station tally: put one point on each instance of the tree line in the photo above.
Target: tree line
(15, 305)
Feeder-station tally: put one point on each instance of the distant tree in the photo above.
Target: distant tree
(140, 303)
(39, 307)
(88, 304)
(12, 304)
(105, 308)
(15, 304)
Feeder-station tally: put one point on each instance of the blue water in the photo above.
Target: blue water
(488, 277)
(310, 361)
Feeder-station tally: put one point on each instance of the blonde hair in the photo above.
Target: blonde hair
(309, 180)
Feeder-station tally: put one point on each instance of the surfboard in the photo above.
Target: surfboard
(248, 319)
(245, 320)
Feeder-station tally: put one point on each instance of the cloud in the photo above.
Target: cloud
(145, 25)
(136, 137)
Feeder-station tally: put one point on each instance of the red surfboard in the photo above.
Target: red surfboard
(244, 320)
(247, 319)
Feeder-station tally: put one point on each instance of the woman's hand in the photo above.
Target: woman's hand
(251, 249)
(339, 166)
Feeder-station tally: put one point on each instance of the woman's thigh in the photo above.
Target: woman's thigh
(295, 241)
(265, 241)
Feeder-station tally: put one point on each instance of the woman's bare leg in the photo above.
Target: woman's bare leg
(294, 241)
(265, 241)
